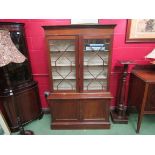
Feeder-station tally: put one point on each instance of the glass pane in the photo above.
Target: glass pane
(96, 52)
(64, 84)
(63, 64)
(63, 72)
(95, 84)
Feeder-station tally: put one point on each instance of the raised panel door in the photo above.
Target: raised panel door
(94, 110)
(64, 110)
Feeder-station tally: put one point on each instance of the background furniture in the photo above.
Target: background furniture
(79, 64)
(119, 114)
(10, 54)
(25, 89)
(142, 93)
(4, 129)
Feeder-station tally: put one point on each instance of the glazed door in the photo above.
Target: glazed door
(63, 60)
(96, 54)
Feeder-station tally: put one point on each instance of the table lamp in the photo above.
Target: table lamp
(10, 54)
(151, 56)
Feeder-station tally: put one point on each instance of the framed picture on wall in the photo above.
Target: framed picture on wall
(84, 21)
(140, 30)
(4, 129)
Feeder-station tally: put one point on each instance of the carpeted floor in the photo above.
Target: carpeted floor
(42, 127)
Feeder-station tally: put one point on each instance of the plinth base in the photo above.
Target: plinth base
(118, 119)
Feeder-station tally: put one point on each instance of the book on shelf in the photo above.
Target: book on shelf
(96, 48)
(96, 45)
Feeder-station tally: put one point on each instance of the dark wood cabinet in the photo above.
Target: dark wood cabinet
(26, 95)
(79, 69)
(142, 93)
(80, 111)
(28, 102)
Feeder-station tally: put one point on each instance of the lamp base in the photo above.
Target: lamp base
(118, 119)
(26, 132)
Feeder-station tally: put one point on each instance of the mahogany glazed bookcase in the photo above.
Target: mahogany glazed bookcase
(79, 59)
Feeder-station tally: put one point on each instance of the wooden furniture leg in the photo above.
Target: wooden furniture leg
(139, 122)
(141, 113)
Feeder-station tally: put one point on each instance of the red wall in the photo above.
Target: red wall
(38, 54)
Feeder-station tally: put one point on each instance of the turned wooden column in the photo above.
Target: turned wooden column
(119, 114)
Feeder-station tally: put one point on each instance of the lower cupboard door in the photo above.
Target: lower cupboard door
(94, 110)
(64, 110)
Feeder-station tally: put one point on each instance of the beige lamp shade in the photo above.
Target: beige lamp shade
(8, 51)
(151, 55)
